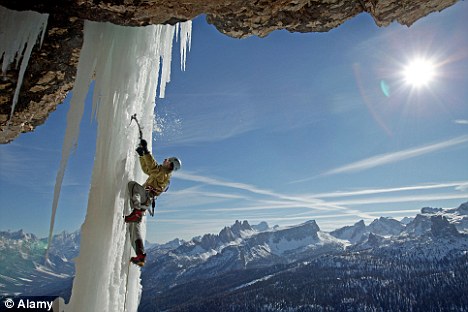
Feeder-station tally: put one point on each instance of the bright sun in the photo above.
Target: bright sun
(419, 72)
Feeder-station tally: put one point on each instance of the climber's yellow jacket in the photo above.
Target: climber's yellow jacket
(159, 176)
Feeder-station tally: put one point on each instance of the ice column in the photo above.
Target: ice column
(126, 62)
(19, 32)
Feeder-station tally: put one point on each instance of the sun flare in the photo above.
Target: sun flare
(419, 72)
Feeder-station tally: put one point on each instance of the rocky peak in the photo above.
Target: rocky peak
(312, 226)
(308, 229)
(420, 225)
(374, 240)
(431, 210)
(261, 227)
(352, 233)
(406, 220)
(65, 237)
(463, 209)
(235, 231)
(237, 228)
(386, 226)
(226, 235)
(18, 235)
(209, 241)
(436, 225)
(441, 227)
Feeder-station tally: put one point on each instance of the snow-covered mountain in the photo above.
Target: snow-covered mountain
(423, 224)
(23, 266)
(301, 268)
(354, 233)
(386, 227)
(240, 246)
(359, 231)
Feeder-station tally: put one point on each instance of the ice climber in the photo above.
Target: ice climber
(142, 196)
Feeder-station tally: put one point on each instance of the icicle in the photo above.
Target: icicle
(166, 56)
(80, 90)
(19, 32)
(185, 42)
(184, 30)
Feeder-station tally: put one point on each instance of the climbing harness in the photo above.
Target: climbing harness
(153, 194)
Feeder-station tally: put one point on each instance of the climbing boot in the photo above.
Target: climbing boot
(135, 216)
(139, 260)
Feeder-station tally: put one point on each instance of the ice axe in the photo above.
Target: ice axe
(134, 117)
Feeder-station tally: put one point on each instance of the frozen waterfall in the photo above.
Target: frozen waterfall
(126, 64)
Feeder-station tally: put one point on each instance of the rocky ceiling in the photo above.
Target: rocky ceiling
(51, 70)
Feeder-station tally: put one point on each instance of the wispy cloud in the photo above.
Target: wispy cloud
(462, 187)
(217, 182)
(457, 185)
(318, 204)
(384, 159)
(240, 186)
(199, 195)
(403, 199)
(273, 200)
(197, 191)
(461, 121)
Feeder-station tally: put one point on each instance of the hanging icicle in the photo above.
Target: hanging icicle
(19, 33)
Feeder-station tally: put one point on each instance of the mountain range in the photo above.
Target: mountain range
(418, 264)
(23, 267)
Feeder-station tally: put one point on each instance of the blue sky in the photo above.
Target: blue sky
(283, 129)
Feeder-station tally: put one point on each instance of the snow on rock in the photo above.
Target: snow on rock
(455, 216)
(386, 227)
(353, 234)
(284, 241)
(441, 227)
(18, 235)
(406, 220)
(419, 226)
(125, 63)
